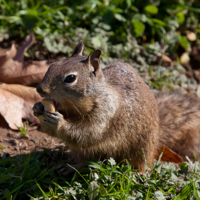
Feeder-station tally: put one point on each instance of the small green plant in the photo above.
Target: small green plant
(24, 128)
(1, 147)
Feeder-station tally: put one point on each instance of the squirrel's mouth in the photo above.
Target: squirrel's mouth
(67, 109)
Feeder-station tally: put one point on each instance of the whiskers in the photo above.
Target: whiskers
(74, 106)
(65, 108)
(62, 103)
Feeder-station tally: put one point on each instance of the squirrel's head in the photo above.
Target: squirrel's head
(74, 79)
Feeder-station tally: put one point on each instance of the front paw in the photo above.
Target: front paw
(52, 117)
(38, 109)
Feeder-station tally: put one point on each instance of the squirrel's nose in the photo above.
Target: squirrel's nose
(41, 91)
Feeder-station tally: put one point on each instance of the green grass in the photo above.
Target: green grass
(24, 128)
(34, 176)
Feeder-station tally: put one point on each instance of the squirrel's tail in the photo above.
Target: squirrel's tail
(180, 123)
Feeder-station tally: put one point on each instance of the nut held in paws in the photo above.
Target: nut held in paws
(48, 105)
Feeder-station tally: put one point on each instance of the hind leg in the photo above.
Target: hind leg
(139, 164)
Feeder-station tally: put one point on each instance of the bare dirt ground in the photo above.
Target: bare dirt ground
(14, 143)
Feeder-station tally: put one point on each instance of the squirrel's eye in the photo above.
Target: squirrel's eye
(69, 79)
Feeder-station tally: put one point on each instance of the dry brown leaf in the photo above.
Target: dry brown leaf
(14, 70)
(29, 40)
(168, 155)
(29, 94)
(167, 61)
(28, 73)
(6, 54)
(14, 109)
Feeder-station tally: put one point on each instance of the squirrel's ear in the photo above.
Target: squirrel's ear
(94, 64)
(93, 60)
(79, 49)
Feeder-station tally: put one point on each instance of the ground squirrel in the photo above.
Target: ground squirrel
(104, 113)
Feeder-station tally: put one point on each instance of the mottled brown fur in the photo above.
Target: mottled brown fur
(112, 112)
(109, 113)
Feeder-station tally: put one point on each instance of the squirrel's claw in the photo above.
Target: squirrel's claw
(52, 117)
(48, 117)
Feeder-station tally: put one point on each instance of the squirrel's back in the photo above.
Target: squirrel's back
(137, 122)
